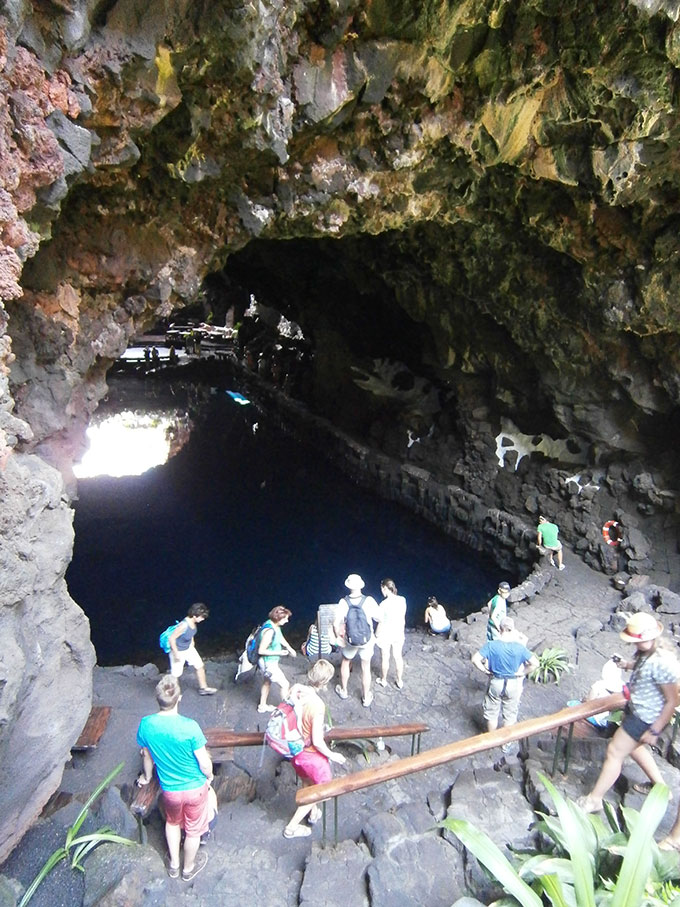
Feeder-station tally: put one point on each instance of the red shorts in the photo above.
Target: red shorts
(188, 808)
(312, 766)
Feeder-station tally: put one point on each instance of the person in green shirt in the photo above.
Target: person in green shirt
(547, 538)
(497, 611)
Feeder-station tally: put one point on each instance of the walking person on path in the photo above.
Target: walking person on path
(389, 636)
(507, 662)
(653, 687)
(176, 745)
(273, 645)
(353, 626)
(312, 765)
(182, 648)
(497, 611)
(547, 537)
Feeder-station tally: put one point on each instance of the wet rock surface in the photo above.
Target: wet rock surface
(390, 850)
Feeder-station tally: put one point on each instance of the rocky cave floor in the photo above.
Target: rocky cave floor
(389, 851)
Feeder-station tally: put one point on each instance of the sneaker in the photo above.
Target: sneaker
(300, 831)
(561, 567)
(381, 682)
(367, 701)
(207, 691)
(399, 684)
(343, 694)
(173, 871)
(265, 708)
(199, 864)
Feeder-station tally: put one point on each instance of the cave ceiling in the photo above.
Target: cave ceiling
(484, 189)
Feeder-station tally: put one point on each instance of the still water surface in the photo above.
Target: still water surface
(243, 520)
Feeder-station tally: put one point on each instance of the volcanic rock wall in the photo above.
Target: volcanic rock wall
(485, 192)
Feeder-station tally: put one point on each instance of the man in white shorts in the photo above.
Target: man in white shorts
(372, 613)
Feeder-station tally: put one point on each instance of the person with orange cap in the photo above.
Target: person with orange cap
(653, 696)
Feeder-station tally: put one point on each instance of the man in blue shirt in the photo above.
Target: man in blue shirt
(507, 662)
(176, 746)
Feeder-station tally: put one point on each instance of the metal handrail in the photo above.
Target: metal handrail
(451, 751)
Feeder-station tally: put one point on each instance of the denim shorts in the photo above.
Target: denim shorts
(633, 726)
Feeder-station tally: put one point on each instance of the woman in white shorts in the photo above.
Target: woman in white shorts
(273, 645)
(389, 637)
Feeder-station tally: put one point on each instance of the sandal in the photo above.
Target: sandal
(399, 684)
(589, 804)
(300, 831)
(669, 843)
(381, 682)
(643, 787)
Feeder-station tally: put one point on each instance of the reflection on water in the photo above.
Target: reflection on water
(245, 518)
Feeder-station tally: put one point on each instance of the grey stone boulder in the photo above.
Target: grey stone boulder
(637, 545)
(638, 601)
(336, 877)
(110, 810)
(665, 601)
(9, 892)
(429, 858)
(134, 876)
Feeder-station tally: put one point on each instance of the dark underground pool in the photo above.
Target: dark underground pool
(244, 518)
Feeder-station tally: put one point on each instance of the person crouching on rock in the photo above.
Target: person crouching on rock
(436, 618)
(177, 747)
(312, 765)
(653, 687)
(182, 648)
(272, 646)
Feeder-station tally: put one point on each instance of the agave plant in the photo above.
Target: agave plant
(589, 863)
(552, 663)
(74, 847)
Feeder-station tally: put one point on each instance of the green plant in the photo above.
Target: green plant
(589, 863)
(552, 663)
(77, 848)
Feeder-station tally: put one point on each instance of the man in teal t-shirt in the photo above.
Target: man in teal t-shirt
(547, 538)
(176, 745)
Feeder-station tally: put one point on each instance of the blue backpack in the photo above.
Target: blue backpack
(253, 645)
(164, 638)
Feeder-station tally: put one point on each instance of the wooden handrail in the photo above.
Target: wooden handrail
(451, 751)
(219, 736)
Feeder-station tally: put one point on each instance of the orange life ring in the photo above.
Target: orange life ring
(611, 537)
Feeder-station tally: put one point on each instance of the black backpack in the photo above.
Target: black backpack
(357, 626)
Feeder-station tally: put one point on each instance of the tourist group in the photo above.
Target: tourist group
(176, 745)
